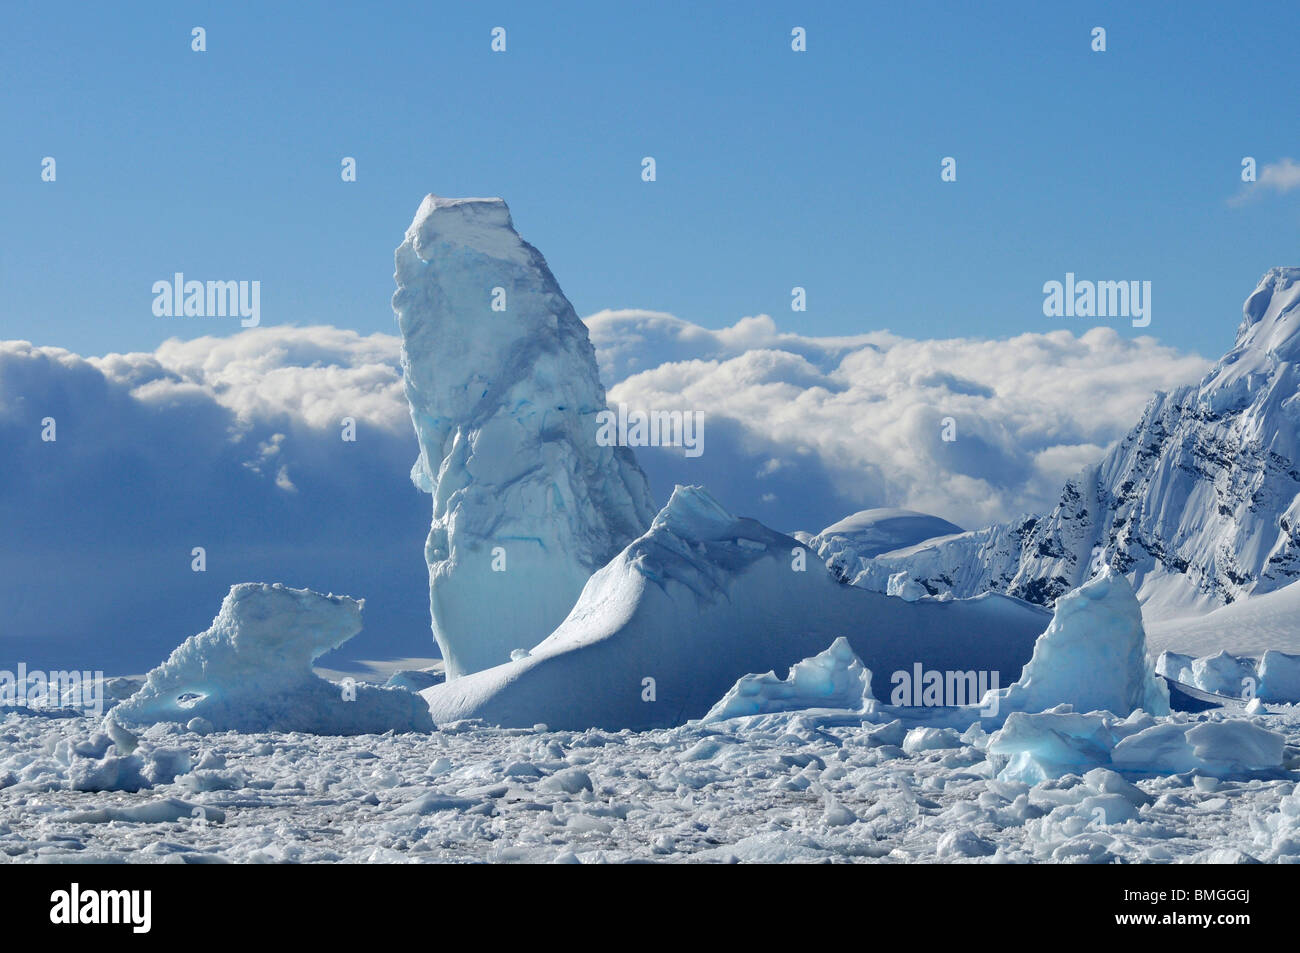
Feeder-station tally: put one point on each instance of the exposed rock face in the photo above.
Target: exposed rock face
(501, 378)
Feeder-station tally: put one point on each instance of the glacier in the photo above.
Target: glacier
(251, 671)
(503, 388)
(868, 533)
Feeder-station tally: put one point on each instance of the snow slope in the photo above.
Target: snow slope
(501, 379)
(666, 628)
(1248, 627)
(251, 671)
(1199, 505)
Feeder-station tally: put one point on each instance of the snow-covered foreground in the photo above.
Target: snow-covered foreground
(800, 786)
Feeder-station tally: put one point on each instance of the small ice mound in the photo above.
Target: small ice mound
(1278, 832)
(1225, 674)
(1279, 677)
(835, 678)
(251, 671)
(920, 740)
(110, 773)
(957, 844)
(1176, 666)
(1033, 748)
(164, 811)
(1050, 744)
(413, 680)
(1081, 813)
(1092, 657)
(836, 814)
(1216, 748)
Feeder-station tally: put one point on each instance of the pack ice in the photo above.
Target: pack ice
(251, 671)
(664, 630)
(502, 383)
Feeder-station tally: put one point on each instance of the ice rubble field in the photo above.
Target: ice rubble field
(793, 787)
(810, 767)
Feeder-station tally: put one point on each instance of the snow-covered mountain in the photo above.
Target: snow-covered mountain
(502, 383)
(1199, 505)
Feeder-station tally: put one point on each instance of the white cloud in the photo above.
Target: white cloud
(1282, 176)
(630, 341)
(232, 444)
(317, 375)
(798, 428)
(1029, 411)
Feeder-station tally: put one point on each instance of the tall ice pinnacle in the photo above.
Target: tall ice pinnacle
(501, 378)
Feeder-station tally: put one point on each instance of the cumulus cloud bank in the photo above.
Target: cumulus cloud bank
(230, 444)
(235, 444)
(812, 428)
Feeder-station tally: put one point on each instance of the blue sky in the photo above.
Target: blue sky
(775, 168)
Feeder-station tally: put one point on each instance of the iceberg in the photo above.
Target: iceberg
(845, 546)
(1050, 744)
(251, 671)
(1279, 677)
(1217, 748)
(835, 678)
(1225, 674)
(504, 393)
(1092, 657)
(664, 630)
(1274, 677)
